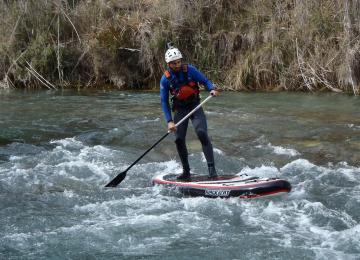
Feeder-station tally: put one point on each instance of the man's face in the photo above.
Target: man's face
(175, 65)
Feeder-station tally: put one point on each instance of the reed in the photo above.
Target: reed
(242, 45)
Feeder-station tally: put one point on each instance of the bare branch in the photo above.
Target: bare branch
(301, 67)
(33, 73)
(67, 17)
(47, 83)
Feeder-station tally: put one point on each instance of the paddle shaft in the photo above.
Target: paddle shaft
(168, 132)
(122, 175)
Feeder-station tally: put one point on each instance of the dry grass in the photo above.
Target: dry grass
(242, 45)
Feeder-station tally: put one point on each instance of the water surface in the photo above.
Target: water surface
(58, 149)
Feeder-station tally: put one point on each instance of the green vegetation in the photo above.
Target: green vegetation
(242, 45)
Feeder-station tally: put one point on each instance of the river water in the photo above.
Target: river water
(58, 150)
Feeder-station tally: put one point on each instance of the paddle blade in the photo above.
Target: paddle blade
(115, 182)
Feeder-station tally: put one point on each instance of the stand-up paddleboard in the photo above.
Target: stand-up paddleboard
(225, 186)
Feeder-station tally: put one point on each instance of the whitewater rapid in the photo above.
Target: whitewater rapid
(53, 171)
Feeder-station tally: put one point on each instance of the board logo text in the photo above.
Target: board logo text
(217, 193)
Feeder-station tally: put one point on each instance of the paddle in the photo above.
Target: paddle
(121, 176)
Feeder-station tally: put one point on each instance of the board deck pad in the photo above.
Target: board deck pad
(201, 178)
(225, 186)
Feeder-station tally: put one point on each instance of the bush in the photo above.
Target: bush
(242, 45)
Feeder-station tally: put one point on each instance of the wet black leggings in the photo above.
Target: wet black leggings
(198, 120)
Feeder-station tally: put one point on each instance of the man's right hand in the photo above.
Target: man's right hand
(171, 127)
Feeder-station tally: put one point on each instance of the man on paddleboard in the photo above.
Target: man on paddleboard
(181, 82)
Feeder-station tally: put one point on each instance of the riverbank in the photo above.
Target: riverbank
(241, 45)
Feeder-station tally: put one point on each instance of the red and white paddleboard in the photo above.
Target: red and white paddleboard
(225, 186)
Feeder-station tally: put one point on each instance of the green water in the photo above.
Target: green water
(58, 149)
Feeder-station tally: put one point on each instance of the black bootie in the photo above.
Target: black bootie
(185, 176)
(212, 171)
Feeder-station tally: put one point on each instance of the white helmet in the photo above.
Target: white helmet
(172, 54)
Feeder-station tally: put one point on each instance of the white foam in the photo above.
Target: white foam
(68, 143)
(290, 222)
(340, 238)
(207, 112)
(132, 246)
(262, 171)
(353, 126)
(150, 120)
(351, 173)
(18, 236)
(14, 158)
(100, 210)
(218, 151)
(280, 150)
(69, 193)
(15, 172)
(157, 168)
(95, 171)
(69, 159)
(203, 159)
(81, 158)
(302, 164)
(298, 191)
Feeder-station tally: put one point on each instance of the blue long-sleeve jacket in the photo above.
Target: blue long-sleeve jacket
(178, 78)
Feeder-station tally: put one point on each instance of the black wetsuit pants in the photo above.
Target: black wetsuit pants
(198, 120)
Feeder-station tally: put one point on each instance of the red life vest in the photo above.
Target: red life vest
(184, 92)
